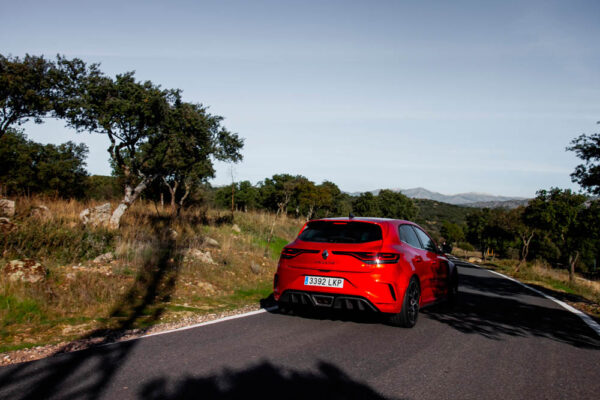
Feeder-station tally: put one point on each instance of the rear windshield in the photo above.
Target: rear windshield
(340, 232)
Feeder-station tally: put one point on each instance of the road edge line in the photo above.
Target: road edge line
(198, 325)
(583, 316)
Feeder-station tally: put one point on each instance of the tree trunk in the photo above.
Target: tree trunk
(572, 262)
(232, 198)
(310, 213)
(524, 250)
(271, 234)
(172, 192)
(131, 195)
(185, 195)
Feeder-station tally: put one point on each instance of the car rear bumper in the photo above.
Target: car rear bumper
(380, 289)
(327, 300)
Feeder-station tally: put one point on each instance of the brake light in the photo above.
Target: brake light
(288, 253)
(371, 257)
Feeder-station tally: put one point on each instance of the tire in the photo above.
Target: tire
(407, 317)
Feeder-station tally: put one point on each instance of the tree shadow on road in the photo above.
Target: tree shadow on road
(494, 307)
(67, 375)
(263, 381)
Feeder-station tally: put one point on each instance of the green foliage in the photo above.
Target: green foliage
(453, 233)
(365, 204)
(465, 246)
(487, 229)
(27, 88)
(275, 194)
(193, 137)
(245, 196)
(27, 167)
(395, 205)
(558, 214)
(275, 246)
(33, 87)
(100, 187)
(16, 311)
(387, 204)
(587, 174)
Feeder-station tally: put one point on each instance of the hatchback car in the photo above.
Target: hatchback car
(364, 264)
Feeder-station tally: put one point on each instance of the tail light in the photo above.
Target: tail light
(288, 253)
(370, 257)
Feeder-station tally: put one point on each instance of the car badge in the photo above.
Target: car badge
(325, 254)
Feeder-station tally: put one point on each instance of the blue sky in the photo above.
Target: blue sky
(451, 96)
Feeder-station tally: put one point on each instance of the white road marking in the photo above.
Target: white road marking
(214, 321)
(183, 328)
(586, 318)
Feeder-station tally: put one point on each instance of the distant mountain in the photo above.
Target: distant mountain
(507, 204)
(469, 199)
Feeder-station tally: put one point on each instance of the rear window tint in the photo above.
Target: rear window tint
(340, 232)
(408, 235)
(428, 244)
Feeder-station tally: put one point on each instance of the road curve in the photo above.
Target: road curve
(500, 341)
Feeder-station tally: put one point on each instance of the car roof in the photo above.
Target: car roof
(364, 219)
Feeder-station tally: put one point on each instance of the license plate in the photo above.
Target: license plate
(323, 281)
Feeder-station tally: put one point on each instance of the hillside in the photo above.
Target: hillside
(61, 280)
(455, 199)
(507, 204)
(433, 213)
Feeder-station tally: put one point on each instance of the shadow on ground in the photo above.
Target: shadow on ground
(263, 381)
(142, 305)
(494, 307)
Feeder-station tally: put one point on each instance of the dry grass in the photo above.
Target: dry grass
(150, 279)
(583, 293)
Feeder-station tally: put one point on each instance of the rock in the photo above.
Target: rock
(173, 234)
(25, 271)
(6, 226)
(42, 212)
(255, 267)
(202, 256)
(474, 260)
(207, 288)
(104, 258)
(236, 228)
(210, 242)
(96, 216)
(7, 208)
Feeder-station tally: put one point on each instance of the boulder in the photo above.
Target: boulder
(197, 254)
(210, 242)
(96, 216)
(25, 271)
(236, 228)
(7, 208)
(474, 260)
(255, 267)
(41, 211)
(104, 258)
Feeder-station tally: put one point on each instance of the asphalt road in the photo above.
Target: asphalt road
(501, 341)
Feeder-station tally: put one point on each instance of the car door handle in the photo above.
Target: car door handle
(418, 259)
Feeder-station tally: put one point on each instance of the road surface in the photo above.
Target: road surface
(501, 341)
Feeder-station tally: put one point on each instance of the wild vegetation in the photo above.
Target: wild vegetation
(156, 268)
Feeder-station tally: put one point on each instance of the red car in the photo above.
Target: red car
(377, 264)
